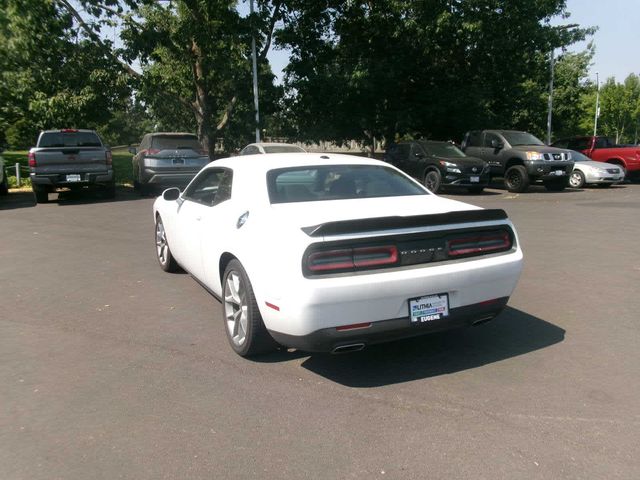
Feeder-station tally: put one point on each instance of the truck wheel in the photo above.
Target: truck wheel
(41, 193)
(576, 180)
(516, 179)
(433, 180)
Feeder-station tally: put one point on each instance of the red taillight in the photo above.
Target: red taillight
(69, 130)
(354, 326)
(32, 159)
(352, 258)
(479, 243)
(152, 151)
(108, 157)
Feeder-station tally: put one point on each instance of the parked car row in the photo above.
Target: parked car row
(73, 158)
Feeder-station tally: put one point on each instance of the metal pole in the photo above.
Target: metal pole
(255, 78)
(550, 98)
(18, 174)
(595, 119)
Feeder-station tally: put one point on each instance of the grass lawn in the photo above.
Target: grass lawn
(121, 165)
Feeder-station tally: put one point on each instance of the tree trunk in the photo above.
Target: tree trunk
(202, 104)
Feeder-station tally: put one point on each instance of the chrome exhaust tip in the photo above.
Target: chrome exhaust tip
(352, 347)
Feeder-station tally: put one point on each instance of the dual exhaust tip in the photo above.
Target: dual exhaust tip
(351, 347)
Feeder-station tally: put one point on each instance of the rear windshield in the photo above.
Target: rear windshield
(282, 149)
(176, 142)
(338, 182)
(69, 139)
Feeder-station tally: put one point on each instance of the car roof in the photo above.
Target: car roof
(69, 130)
(271, 144)
(161, 134)
(256, 163)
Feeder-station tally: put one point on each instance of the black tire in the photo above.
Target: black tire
(41, 193)
(576, 179)
(163, 252)
(110, 190)
(4, 186)
(249, 337)
(475, 189)
(555, 185)
(516, 179)
(433, 181)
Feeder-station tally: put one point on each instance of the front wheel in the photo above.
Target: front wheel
(576, 180)
(433, 180)
(244, 327)
(516, 179)
(163, 252)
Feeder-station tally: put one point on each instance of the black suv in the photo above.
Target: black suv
(166, 159)
(439, 164)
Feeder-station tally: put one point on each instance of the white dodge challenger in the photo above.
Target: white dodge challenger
(330, 253)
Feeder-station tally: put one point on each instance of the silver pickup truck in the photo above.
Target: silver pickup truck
(71, 159)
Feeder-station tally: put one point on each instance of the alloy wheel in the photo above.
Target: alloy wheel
(236, 308)
(162, 247)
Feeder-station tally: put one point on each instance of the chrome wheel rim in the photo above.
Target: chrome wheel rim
(162, 247)
(575, 180)
(235, 308)
(431, 182)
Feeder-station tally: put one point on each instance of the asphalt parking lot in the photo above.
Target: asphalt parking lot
(111, 368)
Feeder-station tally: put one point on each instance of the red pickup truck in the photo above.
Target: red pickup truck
(603, 149)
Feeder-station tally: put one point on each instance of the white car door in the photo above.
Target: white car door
(208, 189)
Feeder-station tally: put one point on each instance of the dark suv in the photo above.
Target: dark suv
(166, 160)
(439, 164)
(520, 158)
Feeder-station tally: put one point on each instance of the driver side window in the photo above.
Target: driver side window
(211, 187)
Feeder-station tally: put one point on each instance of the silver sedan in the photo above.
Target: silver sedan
(587, 172)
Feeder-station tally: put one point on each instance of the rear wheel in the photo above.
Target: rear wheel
(4, 186)
(245, 330)
(516, 179)
(41, 193)
(110, 190)
(163, 252)
(576, 180)
(433, 180)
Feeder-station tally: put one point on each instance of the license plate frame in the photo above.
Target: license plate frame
(474, 179)
(559, 173)
(427, 308)
(74, 177)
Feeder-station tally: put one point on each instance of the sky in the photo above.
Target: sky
(617, 38)
(616, 41)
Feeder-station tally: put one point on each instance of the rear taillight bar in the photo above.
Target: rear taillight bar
(352, 258)
(479, 243)
(108, 157)
(32, 159)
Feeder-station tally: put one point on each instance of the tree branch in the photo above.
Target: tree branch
(272, 25)
(227, 114)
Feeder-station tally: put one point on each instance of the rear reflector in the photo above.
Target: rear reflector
(354, 326)
(352, 258)
(479, 243)
(108, 157)
(32, 159)
(271, 305)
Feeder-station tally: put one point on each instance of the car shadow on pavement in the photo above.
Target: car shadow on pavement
(511, 334)
(17, 200)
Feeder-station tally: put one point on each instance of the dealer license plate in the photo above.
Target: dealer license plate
(74, 178)
(559, 172)
(475, 179)
(428, 308)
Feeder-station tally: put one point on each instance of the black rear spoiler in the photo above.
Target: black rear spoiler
(383, 223)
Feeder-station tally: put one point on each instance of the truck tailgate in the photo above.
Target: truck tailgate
(70, 159)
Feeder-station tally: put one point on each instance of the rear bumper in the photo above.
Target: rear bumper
(60, 179)
(329, 339)
(168, 178)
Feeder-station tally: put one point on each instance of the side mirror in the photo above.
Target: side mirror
(496, 144)
(171, 194)
(132, 150)
(419, 155)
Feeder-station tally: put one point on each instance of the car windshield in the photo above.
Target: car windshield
(282, 149)
(69, 139)
(338, 182)
(176, 142)
(444, 149)
(521, 138)
(579, 157)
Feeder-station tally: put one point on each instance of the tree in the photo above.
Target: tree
(385, 68)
